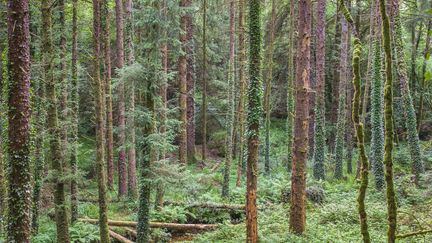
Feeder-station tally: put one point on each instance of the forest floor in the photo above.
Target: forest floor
(331, 205)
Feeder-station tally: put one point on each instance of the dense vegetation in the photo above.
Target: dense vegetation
(215, 121)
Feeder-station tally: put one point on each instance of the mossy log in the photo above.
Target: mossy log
(416, 233)
(119, 237)
(208, 205)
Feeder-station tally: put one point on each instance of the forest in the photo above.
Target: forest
(215, 121)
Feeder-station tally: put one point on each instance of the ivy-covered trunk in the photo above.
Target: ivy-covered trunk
(231, 108)
(297, 221)
(204, 82)
(19, 174)
(56, 155)
(122, 165)
(319, 148)
(253, 119)
(100, 124)
(426, 52)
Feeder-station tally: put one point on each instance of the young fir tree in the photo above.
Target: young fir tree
(74, 113)
(268, 87)
(253, 119)
(319, 148)
(340, 126)
(230, 114)
(100, 124)
(122, 165)
(410, 121)
(377, 123)
(19, 174)
(297, 222)
(56, 155)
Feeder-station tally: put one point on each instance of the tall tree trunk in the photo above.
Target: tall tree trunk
(122, 165)
(319, 151)
(241, 165)
(290, 86)
(253, 119)
(423, 79)
(190, 84)
(74, 113)
(414, 47)
(182, 73)
(132, 177)
(268, 86)
(230, 114)
(19, 174)
(204, 83)
(297, 221)
(3, 27)
(106, 32)
(100, 137)
(411, 120)
(340, 126)
(55, 147)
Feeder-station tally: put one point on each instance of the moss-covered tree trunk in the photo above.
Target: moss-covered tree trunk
(106, 32)
(420, 114)
(253, 119)
(268, 87)
(231, 107)
(297, 222)
(410, 115)
(121, 123)
(56, 156)
(204, 82)
(3, 28)
(100, 124)
(319, 148)
(242, 58)
(19, 174)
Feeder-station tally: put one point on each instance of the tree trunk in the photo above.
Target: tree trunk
(100, 137)
(56, 155)
(319, 151)
(19, 176)
(182, 73)
(230, 114)
(122, 165)
(130, 120)
(253, 119)
(3, 27)
(297, 221)
(423, 80)
(106, 32)
(190, 83)
(204, 83)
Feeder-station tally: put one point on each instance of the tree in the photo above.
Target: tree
(122, 166)
(253, 119)
(56, 155)
(423, 78)
(297, 219)
(204, 82)
(319, 152)
(3, 28)
(100, 137)
(230, 114)
(19, 175)
(268, 86)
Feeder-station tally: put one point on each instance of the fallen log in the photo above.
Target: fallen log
(208, 205)
(421, 232)
(169, 226)
(119, 237)
(131, 231)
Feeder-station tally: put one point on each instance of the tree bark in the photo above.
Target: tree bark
(423, 79)
(100, 137)
(122, 165)
(190, 83)
(297, 220)
(253, 118)
(204, 83)
(19, 175)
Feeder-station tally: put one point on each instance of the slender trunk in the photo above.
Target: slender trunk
(19, 174)
(297, 221)
(290, 86)
(253, 118)
(230, 114)
(190, 85)
(122, 165)
(106, 32)
(130, 120)
(2, 109)
(100, 137)
(411, 120)
(241, 166)
(204, 83)
(319, 151)
(55, 146)
(268, 87)
(423, 80)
